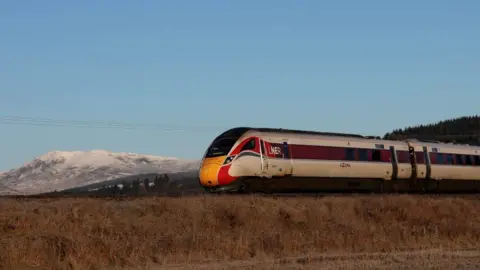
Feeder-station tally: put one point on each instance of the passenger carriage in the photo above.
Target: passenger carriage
(306, 161)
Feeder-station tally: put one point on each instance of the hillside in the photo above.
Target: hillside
(465, 130)
(58, 170)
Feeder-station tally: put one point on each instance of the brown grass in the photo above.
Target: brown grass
(99, 233)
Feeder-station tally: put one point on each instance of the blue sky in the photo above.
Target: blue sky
(345, 66)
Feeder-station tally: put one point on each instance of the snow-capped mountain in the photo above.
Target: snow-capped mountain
(58, 170)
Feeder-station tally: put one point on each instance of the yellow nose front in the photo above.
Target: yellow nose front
(209, 171)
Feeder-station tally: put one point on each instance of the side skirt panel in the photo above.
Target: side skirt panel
(292, 184)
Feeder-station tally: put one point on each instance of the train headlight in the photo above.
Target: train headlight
(228, 160)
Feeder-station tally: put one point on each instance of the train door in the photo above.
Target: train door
(276, 159)
(413, 162)
(428, 165)
(394, 158)
(287, 163)
(418, 161)
(263, 157)
(421, 162)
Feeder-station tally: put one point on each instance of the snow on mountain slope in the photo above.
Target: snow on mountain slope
(59, 170)
(4, 190)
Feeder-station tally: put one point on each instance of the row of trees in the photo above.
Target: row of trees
(138, 187)
(160, 185)
(459, 130)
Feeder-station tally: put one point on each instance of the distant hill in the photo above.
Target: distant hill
(60, 170)
(464, 130)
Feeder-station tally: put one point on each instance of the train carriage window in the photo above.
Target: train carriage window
(477, 160)
(350, 154)
(250, 145)
(464, 159)
(420, 157)
(385, 156)
(468, 160)
(325, 153)
(450, 159)
(376, 155)
(440, 159)
(459, 159)
(402, 157)
(362, 154)
(333, 153)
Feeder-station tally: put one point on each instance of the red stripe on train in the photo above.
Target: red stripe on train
(223, 177)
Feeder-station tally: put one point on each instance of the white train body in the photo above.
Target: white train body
(302, 160)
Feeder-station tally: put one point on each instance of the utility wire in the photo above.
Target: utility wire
(37, 121)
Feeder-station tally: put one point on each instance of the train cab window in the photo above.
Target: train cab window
(362, 154)
(376, 155)
(350, 154)
(220, 147)
(250, 145)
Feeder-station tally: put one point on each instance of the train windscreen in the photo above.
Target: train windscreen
(220, 147)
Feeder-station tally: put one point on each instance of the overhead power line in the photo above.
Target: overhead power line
(37, 121)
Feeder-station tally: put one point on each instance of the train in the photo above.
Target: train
(247, 159)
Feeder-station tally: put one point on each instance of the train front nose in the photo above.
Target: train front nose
(209, 171)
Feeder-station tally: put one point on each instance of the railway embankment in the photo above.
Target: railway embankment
(88, 233)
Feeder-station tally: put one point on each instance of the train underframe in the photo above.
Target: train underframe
(292, 184)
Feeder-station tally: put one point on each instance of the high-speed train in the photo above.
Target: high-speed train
(275, 160)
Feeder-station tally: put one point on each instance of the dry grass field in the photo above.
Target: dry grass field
(82, 233)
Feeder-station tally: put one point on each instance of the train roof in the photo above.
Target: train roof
(238, 131)
(442, 144)
(307, 132)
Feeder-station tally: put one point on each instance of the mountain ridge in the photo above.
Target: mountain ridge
(58, 170)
